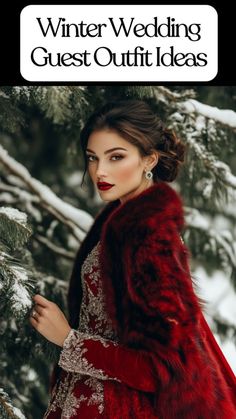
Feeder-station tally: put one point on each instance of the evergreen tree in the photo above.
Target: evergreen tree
(41, 170)
(17, 282)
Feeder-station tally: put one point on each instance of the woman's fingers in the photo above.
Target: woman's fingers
(34, 316)
(40, 309)
(35, 313)
(39, 299)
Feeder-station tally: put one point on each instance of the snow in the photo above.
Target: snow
(15, 181)
(193, 137)
(229, 177)
(21, 299)
(218, 236)
(224, 116)
(2, 94)
(195, 219)
(217, 289)
(75, 178)
(32, 376)
(200, 123)
(81, 219)
(14, 214)
(221, 298)
(6, 197)
(18, 413)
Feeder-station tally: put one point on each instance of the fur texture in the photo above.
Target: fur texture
(153, 306)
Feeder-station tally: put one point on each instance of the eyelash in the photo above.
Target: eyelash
(120, 157)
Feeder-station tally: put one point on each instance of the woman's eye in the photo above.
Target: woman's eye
(119, 157)
(88, 158)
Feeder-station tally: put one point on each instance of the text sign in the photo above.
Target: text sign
(118, 43)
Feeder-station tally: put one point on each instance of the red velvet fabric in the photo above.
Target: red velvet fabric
(165, 344)
(91, 368)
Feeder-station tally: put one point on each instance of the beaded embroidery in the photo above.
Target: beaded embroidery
(72, 356)
(63, 398)
(93, 324)
(68, 403)
(93, 317)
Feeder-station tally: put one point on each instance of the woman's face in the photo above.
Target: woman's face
(123, 167)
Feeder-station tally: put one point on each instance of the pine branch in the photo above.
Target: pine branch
(10, 115)
(14, 231)
(226, 117)
(16, 281)
(7, 410)
(12, 195)
(170, 97)
(16, 288)
(220, 169)
(56, 103)
(56, 249)
(218, 243)
(77, 220)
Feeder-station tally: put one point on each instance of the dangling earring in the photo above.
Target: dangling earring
(148, 174)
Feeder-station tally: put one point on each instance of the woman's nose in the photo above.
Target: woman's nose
(101, 170)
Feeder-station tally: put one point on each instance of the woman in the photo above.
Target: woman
(136, 344)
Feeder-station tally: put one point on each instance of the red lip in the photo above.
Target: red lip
(104, 185)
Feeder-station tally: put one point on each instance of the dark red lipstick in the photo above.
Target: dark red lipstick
(104, 186)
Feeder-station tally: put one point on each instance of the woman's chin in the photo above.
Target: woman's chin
(108, 195)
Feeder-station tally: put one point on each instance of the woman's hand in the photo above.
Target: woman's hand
(49, 320)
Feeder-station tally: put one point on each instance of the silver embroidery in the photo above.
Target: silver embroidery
(72, 403)
(93, 316)
(69, 403)
(93, 324)
(58, 395)
(97, 396)
(72, 357)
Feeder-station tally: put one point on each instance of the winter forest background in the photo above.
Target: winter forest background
(44, 213)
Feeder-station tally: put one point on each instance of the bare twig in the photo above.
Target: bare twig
(56, 249)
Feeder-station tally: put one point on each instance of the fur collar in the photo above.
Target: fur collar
(156, 203)
(118, 223)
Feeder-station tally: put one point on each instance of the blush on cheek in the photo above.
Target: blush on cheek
(127, 171)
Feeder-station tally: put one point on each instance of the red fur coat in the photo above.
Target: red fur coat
(155, 312)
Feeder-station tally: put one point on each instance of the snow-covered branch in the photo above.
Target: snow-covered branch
(223, 239)
(167, 96)
(187, 104)
(77, 220)
(7, 409)
(219, 168)
(226, 117)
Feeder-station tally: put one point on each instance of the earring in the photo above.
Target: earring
(148, 174)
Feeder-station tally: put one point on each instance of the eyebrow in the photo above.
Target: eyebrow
(108, 151)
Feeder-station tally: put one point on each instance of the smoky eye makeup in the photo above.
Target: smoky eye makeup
(118, 155)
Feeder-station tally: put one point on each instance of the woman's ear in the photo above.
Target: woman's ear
(152, 160)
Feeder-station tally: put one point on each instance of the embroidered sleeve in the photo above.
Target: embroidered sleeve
(106, 360)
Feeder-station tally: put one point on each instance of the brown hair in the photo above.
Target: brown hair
(135, 121)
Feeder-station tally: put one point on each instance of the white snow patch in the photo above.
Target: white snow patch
(14, 214)
(220, 295)
(18, 413)
(224, 116)
(21, 298)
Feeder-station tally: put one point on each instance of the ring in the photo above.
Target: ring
(34, 314)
